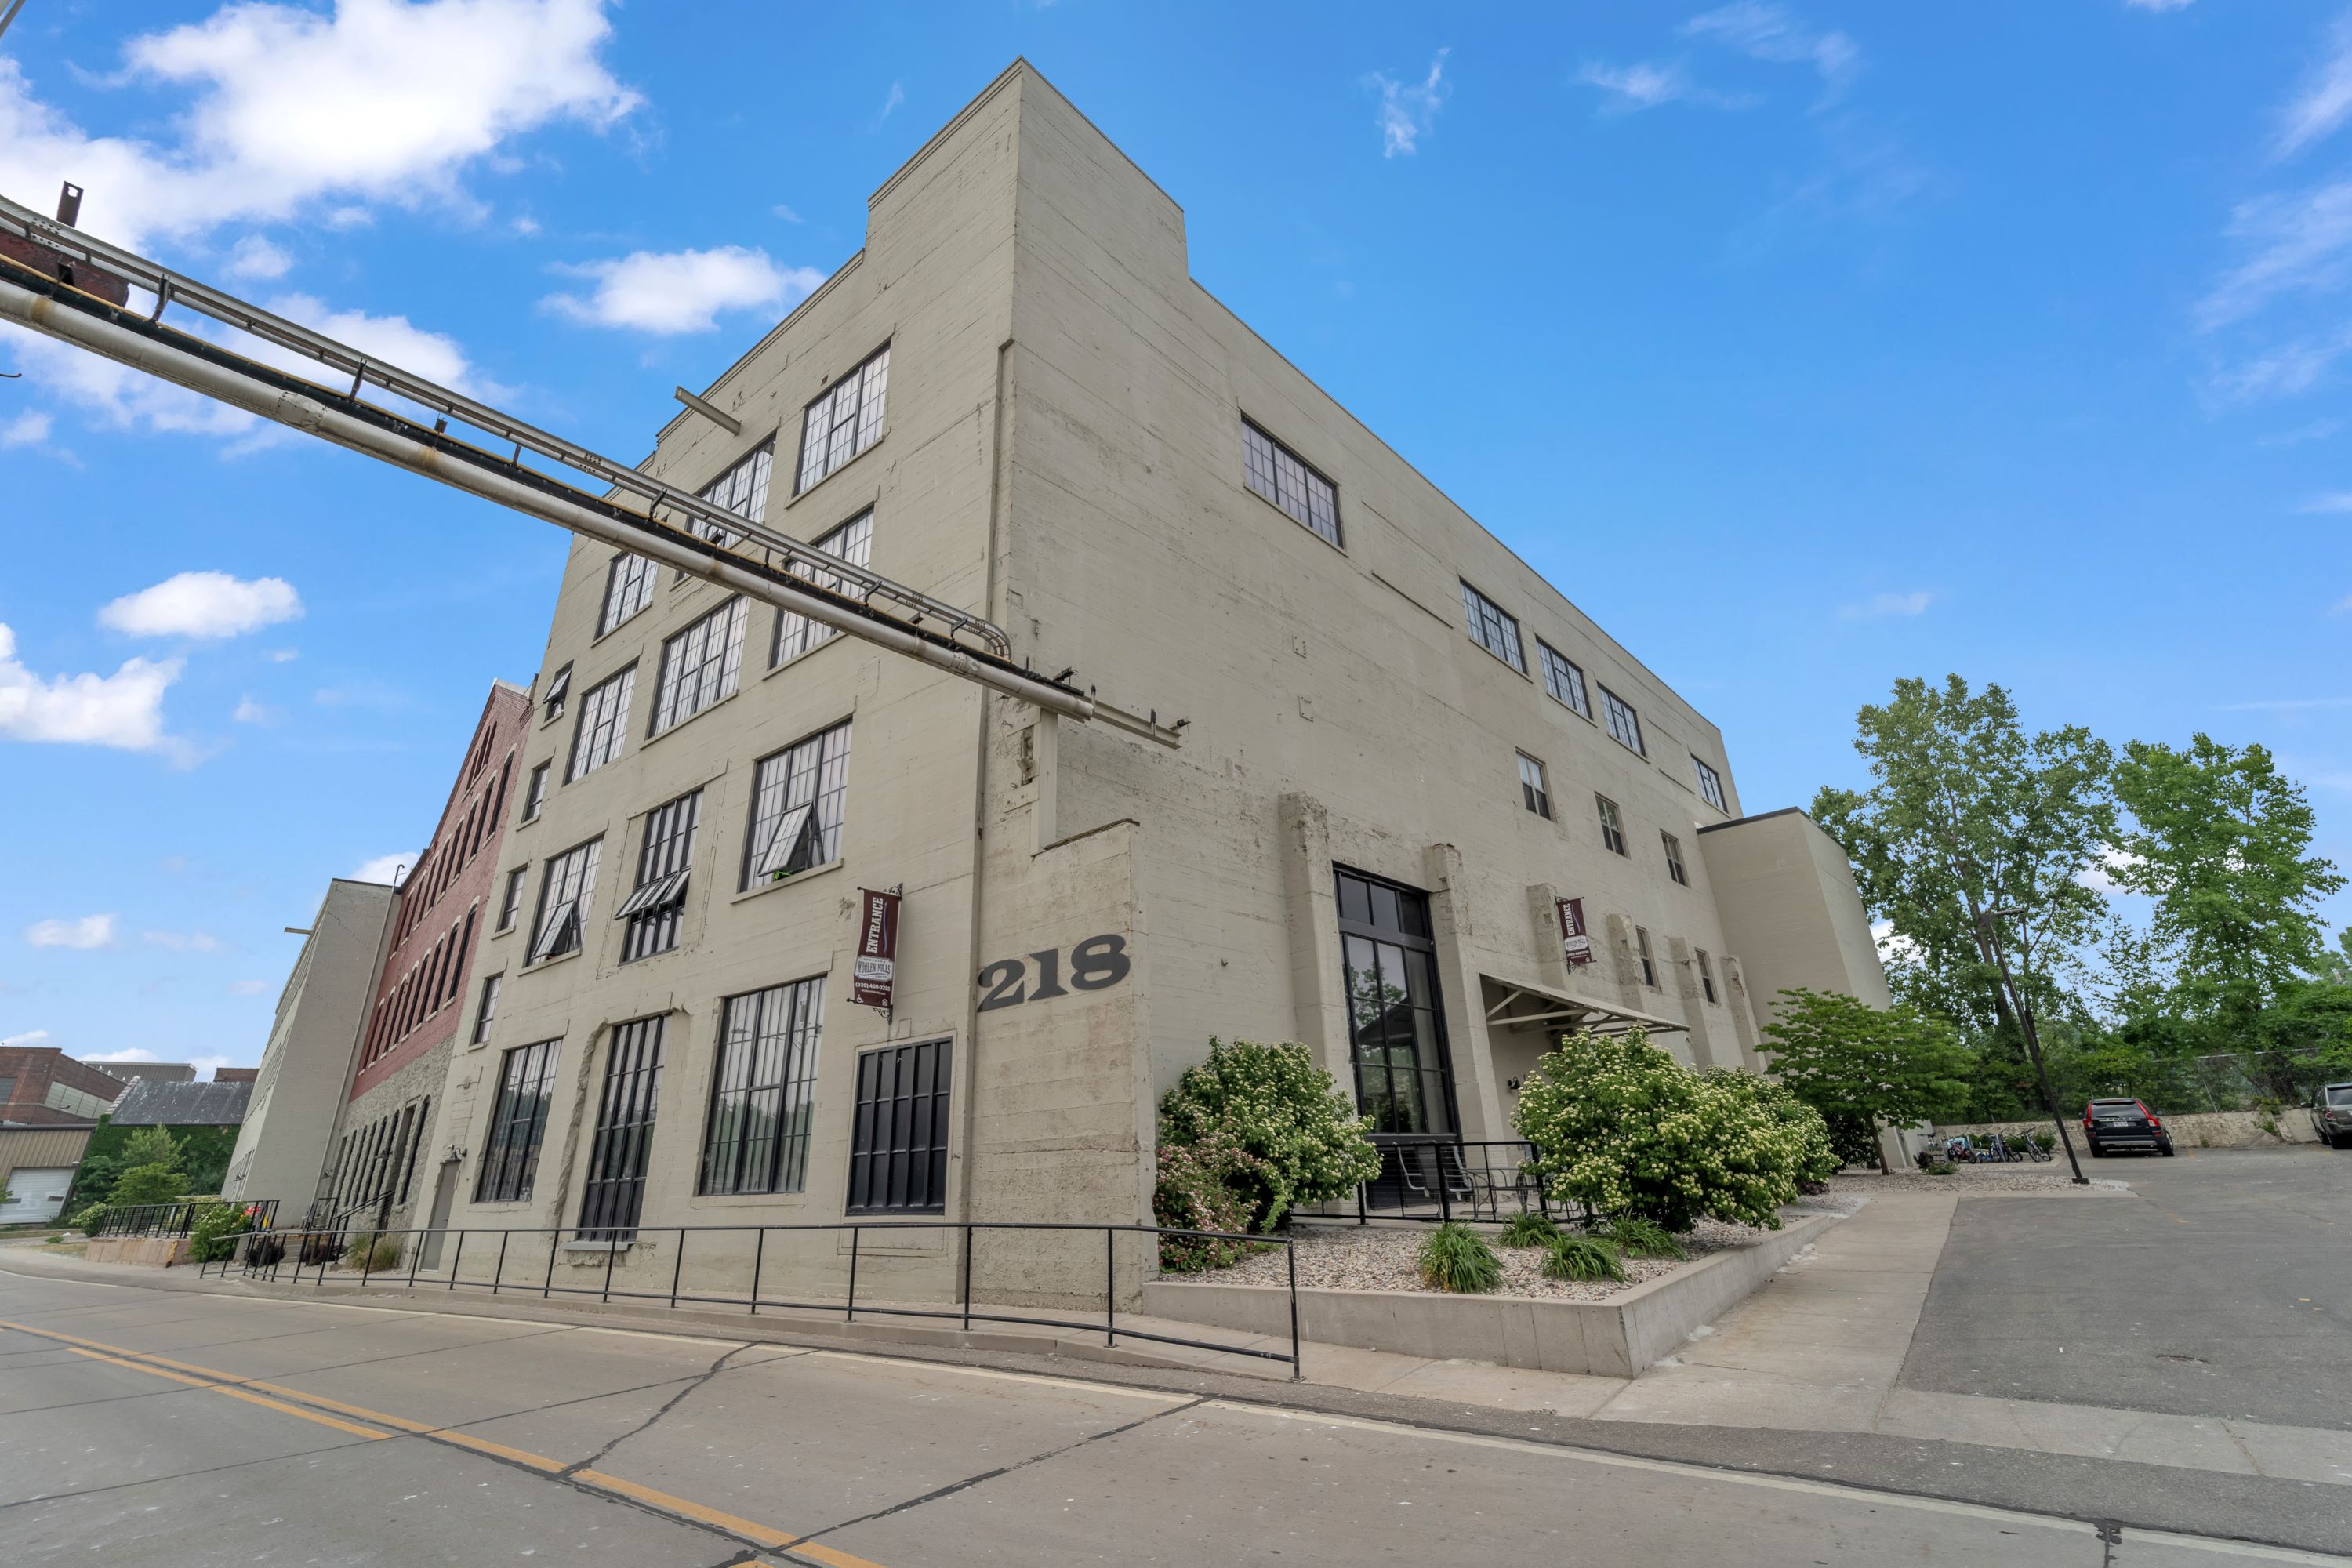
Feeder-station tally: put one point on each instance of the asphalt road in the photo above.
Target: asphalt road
(140, 1426)
(2224, 1289)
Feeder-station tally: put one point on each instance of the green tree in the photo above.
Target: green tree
(1859, 1064)
(1967, 814)
(2221, 842)
(151, 1170)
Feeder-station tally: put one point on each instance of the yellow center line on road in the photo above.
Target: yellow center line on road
(236, 1387)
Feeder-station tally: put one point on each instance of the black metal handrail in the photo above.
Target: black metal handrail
(179, 1219)
(263, 1254)
(1439, 1179)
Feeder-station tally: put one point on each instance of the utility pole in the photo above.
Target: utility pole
(1985, 919)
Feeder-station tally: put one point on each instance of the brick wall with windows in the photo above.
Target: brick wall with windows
(448, 900)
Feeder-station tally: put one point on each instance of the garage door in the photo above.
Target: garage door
(34, 1197)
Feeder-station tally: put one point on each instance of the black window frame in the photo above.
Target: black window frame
(665, 867)
(1710, 785)
(1674, 848)
(769, 1045)
(1485, 616)
(1612, 823)
(558, 692)
(1642, 951)
(1535, 793)
(740, 487)
(900, 1128)
(1705, 973)
(851, 543)
(818, 839)
(612, 1183)
(1374, 915)
(701, 666)
(579, 896)
(518, 1126)
(1612, 707)
(630, 587)
(1559, 671)
(601, 727)
(486, 1007)
(535, 793)
(510, 901)
(1263, 477)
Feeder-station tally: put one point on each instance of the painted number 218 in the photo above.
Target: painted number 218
(1098, 963)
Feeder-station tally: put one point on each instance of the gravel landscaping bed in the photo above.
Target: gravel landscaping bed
(1378, 1257)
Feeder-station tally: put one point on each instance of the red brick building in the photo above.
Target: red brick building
(426, 993)
(42, 1086)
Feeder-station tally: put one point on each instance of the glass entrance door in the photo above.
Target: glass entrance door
(1396, 1029)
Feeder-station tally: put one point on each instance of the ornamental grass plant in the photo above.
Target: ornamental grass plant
(1639, 1238)
(1582, 1257)
(1457, 1259)
(1530, 1229)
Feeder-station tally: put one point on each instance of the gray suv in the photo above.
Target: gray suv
(2331, 1115)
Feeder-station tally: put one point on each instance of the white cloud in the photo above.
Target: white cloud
(2343, 607)
(387, 868)
(254, 257)
(124, 709)
(674, 291)
(1769, 33)
(128, 1054)
(2324, 101)
(86, 934)
(203, 604)
(283, 654)
(292, 109)
(248, 987)
(2333, 502)
(249, 711)
(1894, 951)
(394, 338)
(1409, 110)
(1641, 85)
(2157, 4)
(2287, 705)
(2299, 244)
(29, 1037)
(2099, 875)
(29, 428)
(1881, 604)
(183, 941)
(786, 214)
(897, 96)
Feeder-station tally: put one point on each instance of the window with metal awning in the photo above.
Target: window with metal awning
(1523, 1004)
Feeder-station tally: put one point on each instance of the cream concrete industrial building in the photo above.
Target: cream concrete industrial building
(1402, 749)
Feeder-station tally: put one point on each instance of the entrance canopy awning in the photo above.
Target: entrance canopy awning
(1522, 1005)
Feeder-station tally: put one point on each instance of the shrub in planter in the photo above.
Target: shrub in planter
(1530, 1229)
(1621, 1127)
(1457, 1259)
(212, 1236)
(1639, 1238)
(1306, 1142)
(1204, 1187)
(1819, 1157)
(1582, 1258)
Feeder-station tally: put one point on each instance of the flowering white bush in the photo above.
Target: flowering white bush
(1303, 1140)
(1621, 1127)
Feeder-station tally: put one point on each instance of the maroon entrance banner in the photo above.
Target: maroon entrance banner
(871, 981)
(1575, 943)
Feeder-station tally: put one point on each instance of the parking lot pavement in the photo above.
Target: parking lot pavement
(2224, 1289)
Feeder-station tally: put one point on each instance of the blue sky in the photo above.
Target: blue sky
(1805, 346)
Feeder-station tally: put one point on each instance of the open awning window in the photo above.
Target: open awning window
(793, 847)
(1518, 1004)
(655, 896)
(557, 935)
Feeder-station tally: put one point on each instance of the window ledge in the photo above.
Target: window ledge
(551, 962)
(621, 625)
(794, 881)
(599, 1247)
(837, 473)
(805, 655)
(1490, 653)
(1294, 522)
(682, 723)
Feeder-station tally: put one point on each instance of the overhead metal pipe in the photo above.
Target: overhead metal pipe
(215, 374)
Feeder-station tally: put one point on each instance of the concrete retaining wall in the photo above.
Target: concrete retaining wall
(149, 1251)
(1615, 1338)
(2189, 1129)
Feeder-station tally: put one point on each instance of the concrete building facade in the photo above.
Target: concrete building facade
(1402, 753)
(306, 1067)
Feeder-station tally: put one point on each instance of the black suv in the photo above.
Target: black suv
(2113, 1125)
(2331, 1115)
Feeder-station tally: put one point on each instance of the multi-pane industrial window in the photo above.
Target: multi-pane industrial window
(1623, 722)
(1705, 972)
(1612, 827)
(898, 1131)
(628, 588)
(1562, 679)
(741, 489)
(563, 901)
(1492, 629)
(603, 724)
(698, 666)
(1675, 858)
(1710, 787)
(797, 800)
(1649, 963)
(796, 634)
(1396, 1034)
(846, 420)
(1533, 791)
(1273, 471)
(487, 1013)
(613, 1191)
(534, 795)
(518, 1121)
(663, 860)
(764, 1090)
(552, 705)
(511, 905)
